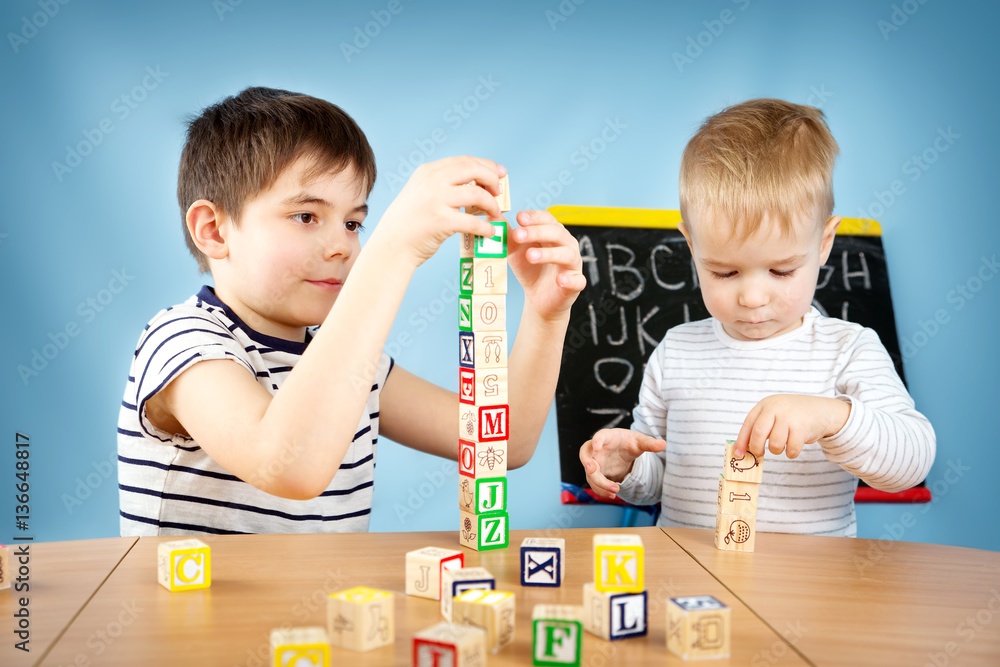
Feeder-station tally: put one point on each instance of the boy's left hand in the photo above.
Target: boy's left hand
(788, 422)
(546, 260)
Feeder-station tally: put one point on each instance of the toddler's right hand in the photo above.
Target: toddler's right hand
(607, 457)
(426, 211)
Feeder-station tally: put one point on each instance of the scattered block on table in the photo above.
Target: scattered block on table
(489, 275)
(698, 627)
(490, 349)
(557, 635)
(5, 575)
(451, 645)
(491, 610)
(465, 275)
(456, 582)
(492, 423)
(484, 532)
(424, 567)
(748, 468)
(737, 497)
(614, 615)
(503, 199)
(467, 245)
(735, 533)
(492, 246)
(543, 561)
(184, 565)
(477, 460)
(300, 647)
(490, 386)
(489, 312)
(618, 563)
(360, 618)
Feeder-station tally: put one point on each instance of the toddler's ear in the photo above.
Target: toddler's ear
(207, 227)
(829, 233)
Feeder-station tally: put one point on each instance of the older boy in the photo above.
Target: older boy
(756, 199)
(239, 416)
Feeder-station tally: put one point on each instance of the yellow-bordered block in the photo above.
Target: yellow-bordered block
(300, 647)
(456, 582)
(618, 563)
(361, 618)
(698, 627)
(184, 565)
(488, 609)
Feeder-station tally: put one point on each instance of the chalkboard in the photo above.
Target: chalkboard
(641, 282)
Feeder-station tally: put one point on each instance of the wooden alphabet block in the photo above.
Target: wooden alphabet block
(467, 349)
(493, 423)
(467, 245)
(489, 312)
(465, 275)
(424, 567)
(465, 312)
(488, 609)
(300, 647)
(483, 495)
(456, 582)
(698, 627)
(493, 246)
(543, 561)
(478, 460)
(614, 615)
(503, 199)
(737, 497)
(489, 275)
(451, 645)
(5, 573)
(735, 533)
(557, 635)
(490, 349)
(747, 468)
(484, 532)
(490, 386)
(618, 563)
(361, 618)
(184, 565)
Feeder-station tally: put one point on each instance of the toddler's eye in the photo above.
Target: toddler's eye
(305, 218)
(354, 226)
(728, 274)
(784, 274)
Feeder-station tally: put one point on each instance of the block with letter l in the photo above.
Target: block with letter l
(614, 615)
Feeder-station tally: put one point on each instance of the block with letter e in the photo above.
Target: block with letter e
(360, 618)
(424, 567)
(184, 565)
(614, 615)
(543, 561)
(618, 563)
(451, 644)
(300, 647)
(557, 635)
(484, 532)
(698, 627)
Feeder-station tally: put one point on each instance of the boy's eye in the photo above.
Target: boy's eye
(784, 274)
(305, 218)
(354, 226)
(728, 274)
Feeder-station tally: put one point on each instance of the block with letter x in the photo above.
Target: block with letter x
(543, 561)
(618, 563)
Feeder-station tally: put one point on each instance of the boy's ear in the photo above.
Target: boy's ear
(683, 229)
(207, 228)
(829, 233)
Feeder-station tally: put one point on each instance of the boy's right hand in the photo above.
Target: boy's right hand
(607, 457)
(427, 210)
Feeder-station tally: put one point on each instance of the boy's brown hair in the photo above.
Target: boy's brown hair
(760, 157)
(239, 147)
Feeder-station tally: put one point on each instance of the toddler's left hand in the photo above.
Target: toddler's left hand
(546, 260)
(788, 422)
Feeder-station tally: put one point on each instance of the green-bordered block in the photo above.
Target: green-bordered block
(491, 495)
(465, 312)
(493, 246)
(465, 267)
(557, 635)
(484, 532)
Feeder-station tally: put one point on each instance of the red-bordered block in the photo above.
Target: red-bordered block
(493, 423)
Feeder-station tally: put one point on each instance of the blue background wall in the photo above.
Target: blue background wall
(90, 252)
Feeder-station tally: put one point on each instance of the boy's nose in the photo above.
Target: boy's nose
(752, 295)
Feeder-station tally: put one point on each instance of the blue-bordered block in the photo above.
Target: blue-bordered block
(615, 615)
(467, 347)
(465, 273)
(543, 561)
(493, 246)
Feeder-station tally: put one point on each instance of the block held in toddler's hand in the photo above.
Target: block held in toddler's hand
(747, 468)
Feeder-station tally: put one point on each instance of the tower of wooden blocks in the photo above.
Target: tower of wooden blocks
(736, 511)
(451, 644)
(300, 647)
(615, 605)
(484, 413)
(557, 635)
(184, 565)
(698, 627)
(360, 618)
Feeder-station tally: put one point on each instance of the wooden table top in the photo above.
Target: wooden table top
(844, 601)
(261, 582)
(63, 576)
